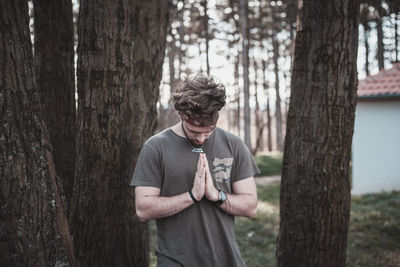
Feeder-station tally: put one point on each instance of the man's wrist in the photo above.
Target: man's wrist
(192, 196)
(221, 198)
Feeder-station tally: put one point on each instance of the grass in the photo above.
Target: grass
(269, 164)
(373, 239)
(374, 232)
(257, 237)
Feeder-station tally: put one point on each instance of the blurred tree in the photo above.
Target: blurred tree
(205, 33)
(275, 22)
(278, 113)
(243, 6)
(377, 15)
(189, 27)
(365, 18)
(174, 52)
(121, 52)
(268, 110)
(315, 187)
(237, 93)
(54, 63)
(33, 224)
(394, 9)
(259, 121)
(229, 13)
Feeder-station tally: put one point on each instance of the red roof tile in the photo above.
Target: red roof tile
(384, 84)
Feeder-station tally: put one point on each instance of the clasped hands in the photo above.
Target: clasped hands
(203, 183)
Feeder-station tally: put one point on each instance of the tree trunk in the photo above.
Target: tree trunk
(366, 44)
(396, 36)
(278, 112)
(121, 51)
(171, 117)
(268, 109)
(167, 116)
(205, 34)
(237, 93)
(315, 187)
(257, 112)
(245, 60)
(33, 224)
(54, 63)
(380, 53)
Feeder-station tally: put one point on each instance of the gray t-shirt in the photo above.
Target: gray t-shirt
(203, 234)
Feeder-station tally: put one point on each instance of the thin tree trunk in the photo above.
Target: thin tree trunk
(182, 53)
(229, 117)
(380, 54)
(33, 224)
(366, 44)
(171, 117)
(259, 120)
(278, 112)
(245, 60)
(237, 93)
(206, 35)
(54, 62)
(396, 37)
(171, 63)
(268, 109)
(315, 187)
(167, 115)
(121, 51)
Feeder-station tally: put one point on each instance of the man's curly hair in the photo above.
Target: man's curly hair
(200, 97)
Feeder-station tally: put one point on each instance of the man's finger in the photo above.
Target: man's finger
(199, 162)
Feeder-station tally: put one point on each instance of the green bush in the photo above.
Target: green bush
(269, 165)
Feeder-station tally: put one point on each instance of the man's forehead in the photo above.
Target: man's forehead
(197, 125)
(200, 129)
(197, 122)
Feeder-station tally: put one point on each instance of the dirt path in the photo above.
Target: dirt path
(266, 180)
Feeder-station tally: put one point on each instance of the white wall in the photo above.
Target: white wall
(376, 147)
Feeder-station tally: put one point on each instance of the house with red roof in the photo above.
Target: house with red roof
(376, 139)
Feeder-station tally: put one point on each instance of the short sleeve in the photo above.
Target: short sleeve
(244, 165)
(147, 170)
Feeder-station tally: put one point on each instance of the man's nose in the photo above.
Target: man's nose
(200, 139)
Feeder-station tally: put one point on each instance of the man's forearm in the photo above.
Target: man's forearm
(240, 205)
(155, 207)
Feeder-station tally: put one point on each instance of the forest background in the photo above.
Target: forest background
(80, 96)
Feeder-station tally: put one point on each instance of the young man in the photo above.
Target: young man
(193, 178)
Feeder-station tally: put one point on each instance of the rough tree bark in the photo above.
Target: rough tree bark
(54, 66)
(315, 188)
(121, 51)
(33, 224)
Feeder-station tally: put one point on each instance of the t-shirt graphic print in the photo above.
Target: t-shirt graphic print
(221, 173)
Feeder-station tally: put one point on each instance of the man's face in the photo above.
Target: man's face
(198, 135)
